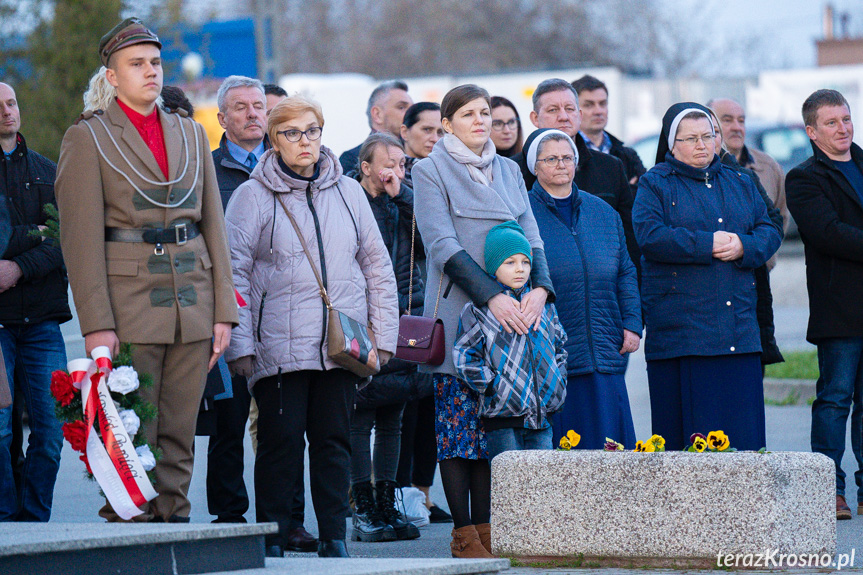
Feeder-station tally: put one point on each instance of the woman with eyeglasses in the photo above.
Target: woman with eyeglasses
(420, 131)
(281, 341)
(703, 229)
(506, 132)
(597, 293)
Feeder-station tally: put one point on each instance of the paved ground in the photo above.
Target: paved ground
(77, 500)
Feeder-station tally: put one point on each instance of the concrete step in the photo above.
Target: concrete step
(405, 566)
(130, 549)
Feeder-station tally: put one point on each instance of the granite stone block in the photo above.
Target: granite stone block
(655, 506)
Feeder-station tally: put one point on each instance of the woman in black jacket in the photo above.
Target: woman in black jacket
(380, 404)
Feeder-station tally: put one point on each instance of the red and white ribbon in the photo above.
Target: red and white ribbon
(112, 458)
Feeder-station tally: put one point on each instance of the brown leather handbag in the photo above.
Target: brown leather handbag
(421, 339)
(350, 343)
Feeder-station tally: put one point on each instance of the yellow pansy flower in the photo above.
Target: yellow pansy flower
(573, 438)
(718, 441)
(700, 444)
(639, 446)
(657, 441)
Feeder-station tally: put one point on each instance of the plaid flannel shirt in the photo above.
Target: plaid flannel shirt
(515, 375)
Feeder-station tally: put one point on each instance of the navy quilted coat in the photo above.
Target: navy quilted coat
(594, 279)
(695, 304)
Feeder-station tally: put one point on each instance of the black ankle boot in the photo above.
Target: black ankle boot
(368, 524)
(386, 500)
(333, 548)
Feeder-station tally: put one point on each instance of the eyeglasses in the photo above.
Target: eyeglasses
(498, 125)
(555, 160)
(691, 140)
(313, 133)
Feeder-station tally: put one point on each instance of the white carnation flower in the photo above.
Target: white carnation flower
(131, 421)
(148, 460)
(123, 379)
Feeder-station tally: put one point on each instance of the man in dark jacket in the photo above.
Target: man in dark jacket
(385, 111)
(593, 101)
(33, 304)
(243, 114)
(825, 197)
(555, 105)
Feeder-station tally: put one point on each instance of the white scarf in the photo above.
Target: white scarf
(479, 167)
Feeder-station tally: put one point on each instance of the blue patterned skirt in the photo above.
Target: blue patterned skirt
(458, 428)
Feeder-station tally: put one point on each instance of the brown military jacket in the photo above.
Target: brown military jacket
(124, 286)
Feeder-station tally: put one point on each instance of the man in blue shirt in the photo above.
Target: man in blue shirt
(243, 110)
(593, 101)
(825, 196)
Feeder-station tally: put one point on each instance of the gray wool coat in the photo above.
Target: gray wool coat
(454, 213)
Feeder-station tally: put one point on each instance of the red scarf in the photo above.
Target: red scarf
(150, 129)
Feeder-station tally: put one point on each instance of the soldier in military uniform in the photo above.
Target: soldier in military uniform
(143, 238)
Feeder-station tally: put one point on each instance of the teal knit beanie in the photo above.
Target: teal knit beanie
(504, 241)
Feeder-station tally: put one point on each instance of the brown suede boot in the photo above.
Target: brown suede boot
(466, 544)
(484, 532)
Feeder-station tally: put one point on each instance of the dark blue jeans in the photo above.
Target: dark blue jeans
(518, 439)
(38, 349)
(840, 361)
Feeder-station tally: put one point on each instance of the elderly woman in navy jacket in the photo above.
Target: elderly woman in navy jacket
(702, 229)
(597, 293)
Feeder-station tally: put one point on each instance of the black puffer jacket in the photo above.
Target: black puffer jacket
(398, 381)
(394, 217)
(26, 185)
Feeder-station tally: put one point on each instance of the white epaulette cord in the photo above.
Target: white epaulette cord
(140, 175)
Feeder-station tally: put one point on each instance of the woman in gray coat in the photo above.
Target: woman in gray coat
(280, 343)
(461, 191)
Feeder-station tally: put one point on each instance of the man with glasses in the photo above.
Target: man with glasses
(593, 100)
(144, 241)
(555, 105)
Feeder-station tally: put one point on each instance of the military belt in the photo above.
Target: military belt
(177, 234)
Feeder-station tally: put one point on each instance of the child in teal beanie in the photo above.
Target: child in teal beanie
(521, 379)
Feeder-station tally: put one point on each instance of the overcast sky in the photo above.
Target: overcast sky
(784, 31)
(787, 28)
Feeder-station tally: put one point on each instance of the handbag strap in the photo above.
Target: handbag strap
(411, 280)
(323, 290)
(395, 249)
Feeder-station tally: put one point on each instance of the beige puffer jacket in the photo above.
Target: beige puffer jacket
(283, 323)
